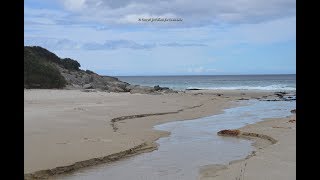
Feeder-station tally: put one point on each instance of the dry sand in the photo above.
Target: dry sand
(276, 161)
(62, 127)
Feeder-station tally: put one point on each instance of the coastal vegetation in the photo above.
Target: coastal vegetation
(40, 70)
(45, 70)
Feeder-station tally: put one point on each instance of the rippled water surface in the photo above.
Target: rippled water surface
(231, 82)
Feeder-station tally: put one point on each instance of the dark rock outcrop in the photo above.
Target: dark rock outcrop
(158, 88)
(44, 69)
(142, 89)
(280, 96)
(229, 132)
(193, 89)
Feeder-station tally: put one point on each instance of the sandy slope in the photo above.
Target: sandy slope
(271, 161)
(66, 126)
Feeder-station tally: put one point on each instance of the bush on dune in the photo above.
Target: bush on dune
(70, 64)
(39, 71)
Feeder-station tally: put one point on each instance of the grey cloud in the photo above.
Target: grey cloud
(51, 43)
(200, 12)
(66, 44)
(133, 45)
(182, 45)
(116, 45)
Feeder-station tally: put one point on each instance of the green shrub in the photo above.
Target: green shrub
(70, 64)
(89, 72)
(39, 72)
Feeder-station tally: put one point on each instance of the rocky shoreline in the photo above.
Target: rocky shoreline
(45, 70)
(84, 81)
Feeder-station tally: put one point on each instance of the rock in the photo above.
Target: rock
(293, 111)
(280, 94)
(76, 85)
(229, 132)
(110, 78)
(142, 90)
(193, 89)
(115, 89)
(87, 80)
(271, 100)
(130, 87)
(292, 121)
(88, 90)
(87, 86)
(158, 88)
(148, 90)
(121, 85)
(71, 77)
(169, 91)
(243, 99)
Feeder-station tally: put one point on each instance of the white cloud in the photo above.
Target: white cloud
(201, 69)
(104, 34)
(74, 5)
(52, 43)
(193, 13)
(67, 44)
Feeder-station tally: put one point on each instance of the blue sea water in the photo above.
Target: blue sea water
(224, 82)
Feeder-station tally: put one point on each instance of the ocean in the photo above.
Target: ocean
(223, 82)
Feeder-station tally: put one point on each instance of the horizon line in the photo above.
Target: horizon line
(204, 75)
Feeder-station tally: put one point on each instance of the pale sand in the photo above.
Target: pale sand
(270, 161)
(62, 127)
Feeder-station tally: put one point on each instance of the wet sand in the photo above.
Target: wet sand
(193, 141)
(63, 127)
(274, 158)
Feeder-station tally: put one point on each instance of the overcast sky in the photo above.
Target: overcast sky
(214, 36)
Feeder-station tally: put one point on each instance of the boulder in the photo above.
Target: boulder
(88, 90)
(115, 89)
(193, 89)
(158, 88)
(130, 87)
(142, 90)
(87, 86)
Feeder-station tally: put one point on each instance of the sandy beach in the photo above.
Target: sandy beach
(271, 160)
(63, 127)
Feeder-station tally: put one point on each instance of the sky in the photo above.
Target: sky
(204, 37)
